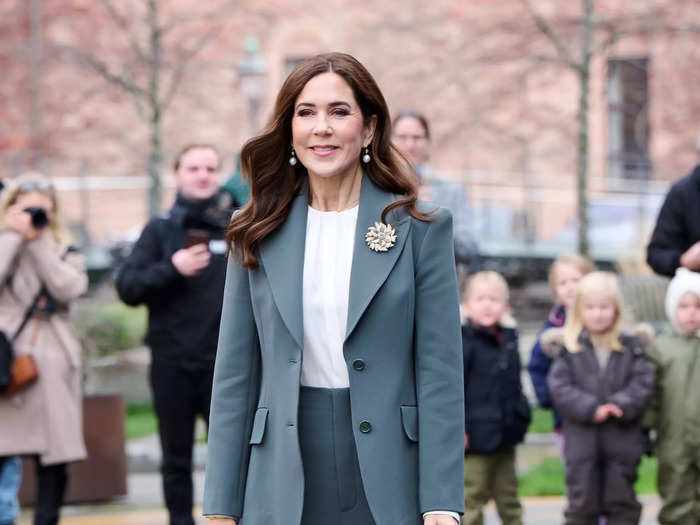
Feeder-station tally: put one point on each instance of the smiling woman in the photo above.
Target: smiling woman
(332, 104)
(320, 414)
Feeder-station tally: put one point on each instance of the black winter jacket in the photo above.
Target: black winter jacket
(678, 225)
(184, 312)
(497, 413)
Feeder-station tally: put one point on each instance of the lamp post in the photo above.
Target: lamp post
(251, 80)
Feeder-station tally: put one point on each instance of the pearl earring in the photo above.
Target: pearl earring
(293, 158)
(366, 158)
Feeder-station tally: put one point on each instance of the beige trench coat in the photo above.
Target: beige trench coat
(45, 418)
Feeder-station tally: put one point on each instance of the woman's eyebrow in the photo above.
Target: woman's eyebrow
(331, 104)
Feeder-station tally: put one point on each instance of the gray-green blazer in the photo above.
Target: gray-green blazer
(404, 356)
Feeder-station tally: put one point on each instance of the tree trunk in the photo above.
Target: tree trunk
(582, 169)
(35, 81)
(155, 157)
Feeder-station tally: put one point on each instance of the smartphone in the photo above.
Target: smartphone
(195, 236)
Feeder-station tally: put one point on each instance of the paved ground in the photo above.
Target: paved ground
(143, 506)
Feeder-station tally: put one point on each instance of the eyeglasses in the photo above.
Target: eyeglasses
(37, 185)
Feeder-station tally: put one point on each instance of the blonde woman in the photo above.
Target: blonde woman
(600, 384)
(38, 267)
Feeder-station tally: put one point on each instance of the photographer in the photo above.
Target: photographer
(177, 268)
(40, 275)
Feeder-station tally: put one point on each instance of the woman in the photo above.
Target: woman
(411, 135)
(37, 266)
(338, 389)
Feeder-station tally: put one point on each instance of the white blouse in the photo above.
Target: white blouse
(330, 237)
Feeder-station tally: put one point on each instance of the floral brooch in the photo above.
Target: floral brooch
(380, 237)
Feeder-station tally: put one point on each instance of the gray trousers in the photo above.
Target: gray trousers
(333, 491)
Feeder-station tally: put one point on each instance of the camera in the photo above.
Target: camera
(39, 218)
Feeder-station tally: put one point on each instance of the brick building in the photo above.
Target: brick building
(502, 104)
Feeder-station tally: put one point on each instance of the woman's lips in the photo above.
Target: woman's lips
(323, 151)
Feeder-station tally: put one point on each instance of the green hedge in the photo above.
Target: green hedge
(111, 327)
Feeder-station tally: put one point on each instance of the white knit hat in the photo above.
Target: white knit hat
(684, 281)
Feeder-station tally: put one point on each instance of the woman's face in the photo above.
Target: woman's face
(410, 138)
(599, 312)
(328, 129)
(35, 199)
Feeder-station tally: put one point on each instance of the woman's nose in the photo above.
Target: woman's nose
(321, 125)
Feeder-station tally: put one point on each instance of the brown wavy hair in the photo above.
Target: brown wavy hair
(274, 182)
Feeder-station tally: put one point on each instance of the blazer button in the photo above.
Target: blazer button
(358, 364)
(365, 427)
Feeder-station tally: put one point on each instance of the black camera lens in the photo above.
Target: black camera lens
(39, 218)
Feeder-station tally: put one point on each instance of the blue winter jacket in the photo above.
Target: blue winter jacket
(540, 362)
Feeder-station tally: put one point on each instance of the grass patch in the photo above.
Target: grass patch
(140, 421)
(542, 421)
(547, 478)
(544, 479)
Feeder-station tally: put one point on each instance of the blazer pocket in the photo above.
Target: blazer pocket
(259, 422)
(409, 419)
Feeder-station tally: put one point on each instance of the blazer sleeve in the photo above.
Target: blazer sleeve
(439, 372)
(234, 398)
(571, 401)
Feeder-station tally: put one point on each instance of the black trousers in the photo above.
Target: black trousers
(180, 394)
(52, 481)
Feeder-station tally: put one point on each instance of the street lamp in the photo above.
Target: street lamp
(251, 80)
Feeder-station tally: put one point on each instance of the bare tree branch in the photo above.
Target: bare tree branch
(181, 66)
(102, 69)
(549, 32)
(124, 25)
(210, 16)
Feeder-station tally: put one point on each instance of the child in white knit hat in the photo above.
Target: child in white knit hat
(675, 407)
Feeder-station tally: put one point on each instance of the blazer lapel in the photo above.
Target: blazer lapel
(282, 254)
(369, 268)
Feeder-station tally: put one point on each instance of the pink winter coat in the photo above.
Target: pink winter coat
(45, 418)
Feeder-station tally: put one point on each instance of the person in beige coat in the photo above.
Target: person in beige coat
(43, 420)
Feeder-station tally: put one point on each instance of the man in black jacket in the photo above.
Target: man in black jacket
(676, 238)
(177, 268)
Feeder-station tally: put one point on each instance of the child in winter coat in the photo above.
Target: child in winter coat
(600, 383)
(675, 407)
(497, 413)
(564, 275)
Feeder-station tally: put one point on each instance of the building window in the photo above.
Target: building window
(290, 63)
(628, 119)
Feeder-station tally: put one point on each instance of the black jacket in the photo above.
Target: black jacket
(184, 312)
(497, 413)
(678, 225)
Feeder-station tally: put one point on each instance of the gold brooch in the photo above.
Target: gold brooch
(380, 237)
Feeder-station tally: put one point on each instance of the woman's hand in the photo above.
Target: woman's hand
(439, 519)
(20, 221)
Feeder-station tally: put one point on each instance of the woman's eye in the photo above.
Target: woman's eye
(341, 112)
(304, 112)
